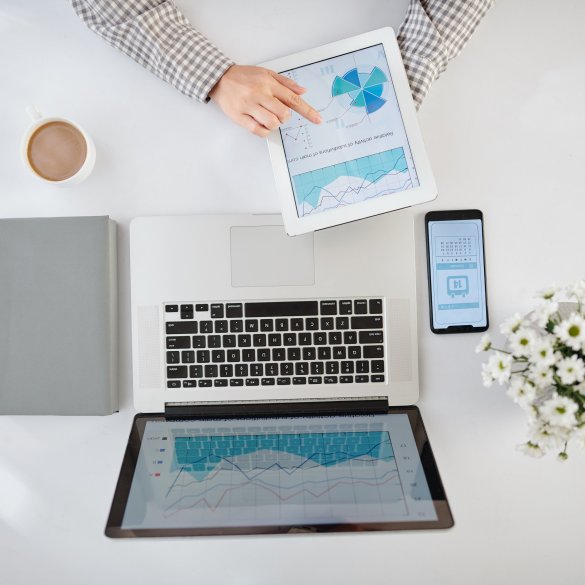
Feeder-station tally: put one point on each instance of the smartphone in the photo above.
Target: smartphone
(456, 271)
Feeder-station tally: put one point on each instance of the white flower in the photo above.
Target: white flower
(522, 341)
(559, 411)
(499, 367)
(548, 293)
(543, 352)
(571, 370)
(547, 436)
(580, 388)
(512, 324)
(543, 312)
(577, 290)
(531, 449)
(541, 375)
(521, 391)
(485, 344)
(571, 331)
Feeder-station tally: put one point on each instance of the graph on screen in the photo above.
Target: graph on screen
(257, 474)
(360, 151)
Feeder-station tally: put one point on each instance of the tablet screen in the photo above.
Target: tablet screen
(279, 472)
(360, 151)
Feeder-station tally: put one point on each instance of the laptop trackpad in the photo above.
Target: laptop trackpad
(266, 256)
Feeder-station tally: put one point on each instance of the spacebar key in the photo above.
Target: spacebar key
(282, 309)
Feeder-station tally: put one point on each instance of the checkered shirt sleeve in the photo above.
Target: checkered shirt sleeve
(433, 33)
(156, 35)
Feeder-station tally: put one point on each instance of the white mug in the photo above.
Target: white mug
(37, 121)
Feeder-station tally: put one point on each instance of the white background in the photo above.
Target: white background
(504, 129)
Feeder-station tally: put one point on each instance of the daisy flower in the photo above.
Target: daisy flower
(484, 345)
(571, 331)
(559, 411)
(522, 341)
(543, 353)
(499, 367)
(571, 369)
(512, 324)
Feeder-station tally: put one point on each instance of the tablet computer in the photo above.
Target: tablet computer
(278, 474)
(367, 156)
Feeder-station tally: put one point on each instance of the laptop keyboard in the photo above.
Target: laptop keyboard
(274, 343)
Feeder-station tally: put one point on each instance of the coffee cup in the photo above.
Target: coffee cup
(57, 150)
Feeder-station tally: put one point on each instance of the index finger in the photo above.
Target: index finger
(298, 104)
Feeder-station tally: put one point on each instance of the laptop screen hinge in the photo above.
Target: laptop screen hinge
(281, 408)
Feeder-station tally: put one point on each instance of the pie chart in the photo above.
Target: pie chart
(364, 89)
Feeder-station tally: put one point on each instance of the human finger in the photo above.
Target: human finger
(264, 117)
(277, 108)
(298, 104)
(252, 126)
(288, 82)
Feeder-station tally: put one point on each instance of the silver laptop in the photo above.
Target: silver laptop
(228, 308)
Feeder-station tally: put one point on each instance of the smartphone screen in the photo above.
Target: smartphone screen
(456, 267)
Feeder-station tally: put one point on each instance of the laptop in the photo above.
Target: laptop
(277, 374)
(228, 307)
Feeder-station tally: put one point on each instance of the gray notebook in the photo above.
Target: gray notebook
(58, 316)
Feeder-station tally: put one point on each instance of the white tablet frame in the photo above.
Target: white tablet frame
(426, 191)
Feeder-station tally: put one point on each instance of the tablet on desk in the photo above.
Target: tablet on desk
(278, 474)
(367, 156)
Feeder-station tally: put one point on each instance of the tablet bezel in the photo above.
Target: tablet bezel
(426, 191)
(114, 524)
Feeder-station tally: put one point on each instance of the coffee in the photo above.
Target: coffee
(56, 151)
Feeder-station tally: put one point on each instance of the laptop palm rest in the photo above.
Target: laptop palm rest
(266, 256)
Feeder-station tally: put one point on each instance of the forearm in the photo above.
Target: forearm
(158, 37)
(433, 33)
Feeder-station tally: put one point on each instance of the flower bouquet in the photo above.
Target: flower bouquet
(544, 368)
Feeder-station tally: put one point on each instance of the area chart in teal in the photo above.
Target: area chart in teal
(365, 89)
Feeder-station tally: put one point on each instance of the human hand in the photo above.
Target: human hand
(260, 100)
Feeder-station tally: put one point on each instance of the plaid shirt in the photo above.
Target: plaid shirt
(156, 35)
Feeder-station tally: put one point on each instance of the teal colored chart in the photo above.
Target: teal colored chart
(364, 89)
(352, 181)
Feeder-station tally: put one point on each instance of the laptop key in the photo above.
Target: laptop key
(319, 338)
(257, 370)
(274, 339)
(375, 306)
(220, 382)
(205, 326)
(347, 367)
(234, 310)
(361, 379)
(233, 355)
(330, 379)
(211, 371)
(289, 339)
(281, 309)
(299, 380)
(189, 383)
(296, 324)
(377, 366)
(242, 370)
(327, 323)
(204, 383)
(342, 323)
(328, 307)
(371, 337)
(188, 357)
(349, 337)
(259, 340)
(213, 341)
(362, 367)
(236, 326)
(263, 354)
(301, 368)
(251, 325)
(377, 378)
(179, 327)
(286, 369)
(174, 384)
(281, 324)
(244, 340)
(374, 322)
(360, 307)
(218, 355)
(305, 339)
(312, 324)
(317, 368)
(171, 308)
(266, 325)
(278, 354)
(226, 370)
(221, 326)
(173, 357)
(248, 355)
(315, 380)
(309, 353)
(346, 379)
(236, 382)
(203, 356)
(267, 381)
(217, 311)
(345, 307)
(355, 352)
(374, 351)
(252, 382)
(176, 372)
(271, 369)
(324, 353)
(339, 352)
(196, 371)
(283, 381)
(183, 342)
(332, 367)
(293, 353)
(199, 341)
(202, 307)
(229, 341)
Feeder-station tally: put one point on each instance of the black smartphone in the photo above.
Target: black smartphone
(456, 271)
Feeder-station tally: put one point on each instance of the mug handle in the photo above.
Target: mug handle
(33, 113)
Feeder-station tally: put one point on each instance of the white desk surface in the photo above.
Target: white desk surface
(504, 128)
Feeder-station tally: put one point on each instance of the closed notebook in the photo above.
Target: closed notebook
(58, 316)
